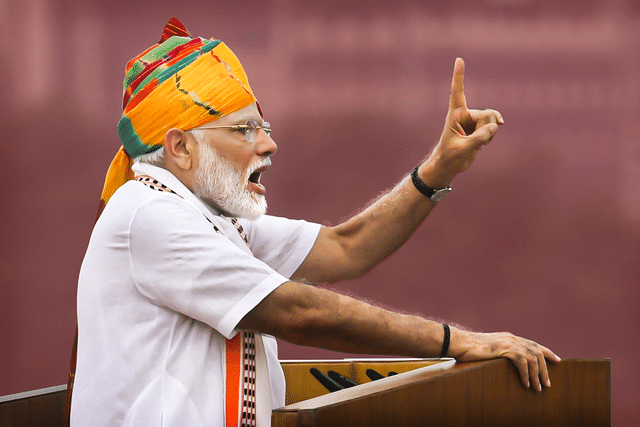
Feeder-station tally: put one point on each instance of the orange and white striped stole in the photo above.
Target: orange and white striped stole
(240, 387)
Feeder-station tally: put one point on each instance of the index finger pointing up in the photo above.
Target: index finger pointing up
(457, 99)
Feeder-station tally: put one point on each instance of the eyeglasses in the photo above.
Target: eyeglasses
(250, 128)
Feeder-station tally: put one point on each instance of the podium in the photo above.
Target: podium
(486, 393)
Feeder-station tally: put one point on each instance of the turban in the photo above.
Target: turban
(180, 82)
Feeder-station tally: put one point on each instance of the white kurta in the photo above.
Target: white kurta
(159, 291)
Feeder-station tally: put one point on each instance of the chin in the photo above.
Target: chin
(250, 208)
(254, 213)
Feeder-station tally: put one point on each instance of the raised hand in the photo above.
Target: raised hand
(464, 134)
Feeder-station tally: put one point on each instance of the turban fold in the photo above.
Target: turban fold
(180, 82)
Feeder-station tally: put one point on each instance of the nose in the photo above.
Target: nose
(265, 146)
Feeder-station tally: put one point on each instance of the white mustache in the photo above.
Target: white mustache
(259, 164)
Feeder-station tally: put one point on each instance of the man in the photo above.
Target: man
(179, 301)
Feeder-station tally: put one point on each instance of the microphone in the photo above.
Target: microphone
(341, 379)
(374, 375)
(327, 382)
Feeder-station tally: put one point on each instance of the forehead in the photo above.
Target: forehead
(241, 116)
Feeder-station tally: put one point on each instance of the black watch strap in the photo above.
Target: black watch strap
(435, 195)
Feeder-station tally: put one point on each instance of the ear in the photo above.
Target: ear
(179, 149)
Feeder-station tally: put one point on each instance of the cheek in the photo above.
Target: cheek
(240, 156)
(242, 161)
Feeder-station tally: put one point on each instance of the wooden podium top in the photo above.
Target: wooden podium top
(485, 393)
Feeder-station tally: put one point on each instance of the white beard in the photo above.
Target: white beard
(224, 187)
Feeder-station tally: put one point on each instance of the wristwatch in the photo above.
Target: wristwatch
(434, 195)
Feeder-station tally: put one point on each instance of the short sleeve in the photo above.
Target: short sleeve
(281, 243)
(180, 262)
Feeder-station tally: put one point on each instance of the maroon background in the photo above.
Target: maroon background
(539, 237)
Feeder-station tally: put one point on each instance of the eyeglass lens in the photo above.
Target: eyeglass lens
(253, 127)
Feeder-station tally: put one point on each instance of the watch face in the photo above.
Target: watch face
(440, 194)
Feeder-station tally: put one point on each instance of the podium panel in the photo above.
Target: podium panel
(301, 385)
(424, 393)
(485, 393)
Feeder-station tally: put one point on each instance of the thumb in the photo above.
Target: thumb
(483, 135)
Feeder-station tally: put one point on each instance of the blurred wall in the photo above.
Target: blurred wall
(540, 237)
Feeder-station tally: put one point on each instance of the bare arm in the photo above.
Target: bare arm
(309, 316)
(315, 317)
(352, 248)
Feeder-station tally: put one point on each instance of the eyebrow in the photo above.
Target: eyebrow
(239, 121)
(245, 119)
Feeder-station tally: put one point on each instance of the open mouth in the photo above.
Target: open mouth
(254, 179)
(255, 175)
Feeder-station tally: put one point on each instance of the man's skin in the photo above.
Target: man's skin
(306, 315)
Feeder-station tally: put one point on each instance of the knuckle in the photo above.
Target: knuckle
(521, 360)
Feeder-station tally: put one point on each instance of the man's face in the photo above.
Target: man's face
(229, 167)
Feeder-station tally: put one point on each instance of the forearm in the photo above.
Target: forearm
(379, 230)
(352, 248)
(309, 316)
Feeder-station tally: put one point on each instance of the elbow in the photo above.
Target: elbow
(310, 322)
(340, 256)
(297, 313)
(353, 268)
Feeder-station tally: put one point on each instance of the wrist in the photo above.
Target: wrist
(460, 342)
(434, 176)
(433, 194)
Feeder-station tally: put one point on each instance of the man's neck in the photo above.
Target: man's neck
(187, 177)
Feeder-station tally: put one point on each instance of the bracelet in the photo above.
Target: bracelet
(445, 341)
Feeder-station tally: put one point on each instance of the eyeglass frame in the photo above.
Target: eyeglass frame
(249, 125)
